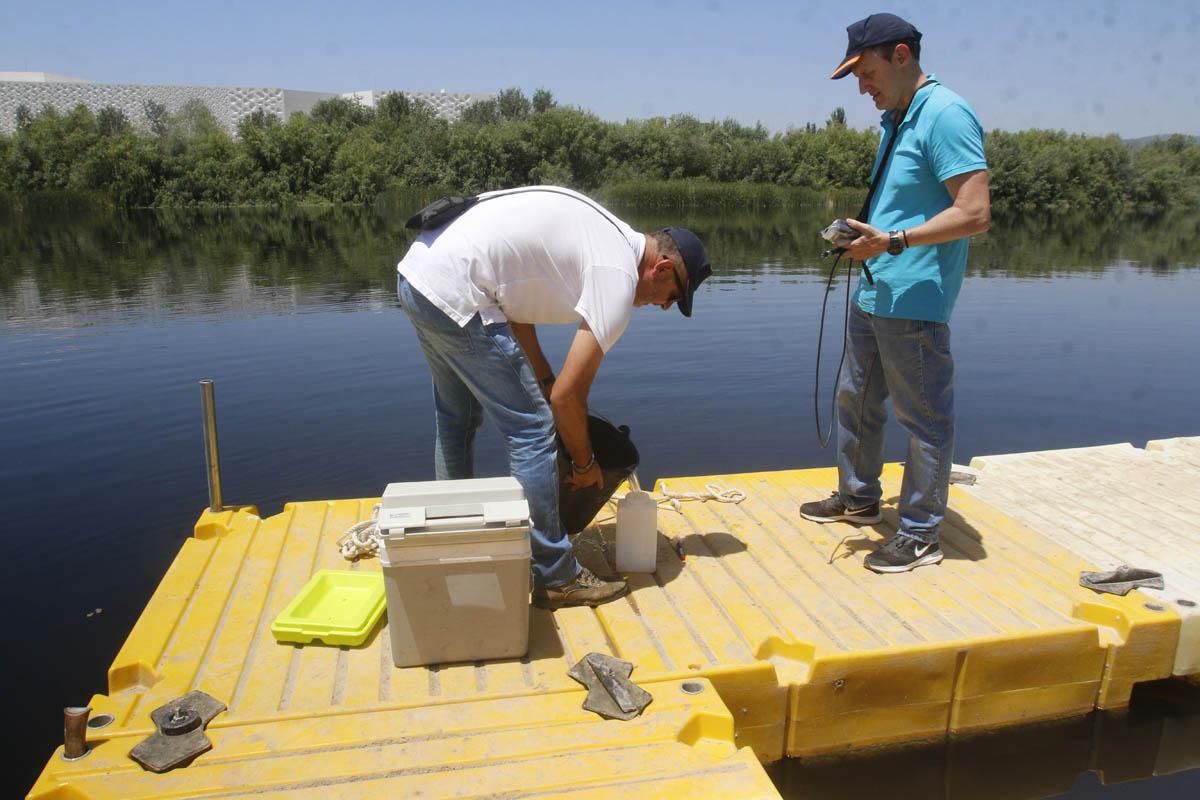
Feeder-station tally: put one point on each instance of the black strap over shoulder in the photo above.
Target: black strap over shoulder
(875, 181)
(866, 206)
(446, 209)
(877, 178)
(440, 212)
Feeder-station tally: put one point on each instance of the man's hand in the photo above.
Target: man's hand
(592, 476)
(870, 242)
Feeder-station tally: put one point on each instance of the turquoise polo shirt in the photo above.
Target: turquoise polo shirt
(940, 137)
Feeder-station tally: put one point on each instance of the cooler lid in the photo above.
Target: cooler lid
(439, 493)
(443, 505)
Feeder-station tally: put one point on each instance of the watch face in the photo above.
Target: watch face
(894, 245)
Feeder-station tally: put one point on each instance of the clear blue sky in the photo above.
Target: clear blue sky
(1093, 66)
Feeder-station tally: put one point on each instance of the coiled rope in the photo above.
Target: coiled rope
(362, 539)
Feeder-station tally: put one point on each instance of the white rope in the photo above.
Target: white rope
(712, 491)
(362, 539)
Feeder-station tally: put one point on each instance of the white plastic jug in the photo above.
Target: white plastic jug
(637, 532)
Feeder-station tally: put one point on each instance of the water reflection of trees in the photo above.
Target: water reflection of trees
(1041, 245)
(101, 253)
(80, 250)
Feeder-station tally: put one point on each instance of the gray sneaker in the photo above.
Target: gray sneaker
(832, 509)
(901, 553)
(585, 590)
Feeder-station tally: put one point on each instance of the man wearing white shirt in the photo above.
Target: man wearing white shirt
(474, 290)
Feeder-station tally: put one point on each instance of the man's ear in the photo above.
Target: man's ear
(901, 55)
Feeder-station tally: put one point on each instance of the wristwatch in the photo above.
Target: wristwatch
(895, 245)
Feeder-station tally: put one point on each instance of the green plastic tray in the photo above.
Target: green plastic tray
(338, 607)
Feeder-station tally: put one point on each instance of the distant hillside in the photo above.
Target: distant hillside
(1135, 144)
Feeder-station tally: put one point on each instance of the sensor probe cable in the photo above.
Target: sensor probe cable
(823, 438)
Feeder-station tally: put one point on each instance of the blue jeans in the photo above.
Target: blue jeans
(481, 369)
(910, 361)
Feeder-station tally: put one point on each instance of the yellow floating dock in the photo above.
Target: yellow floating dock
(797, 649)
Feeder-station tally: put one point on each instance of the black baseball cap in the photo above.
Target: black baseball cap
(873, 30)
(695, 262)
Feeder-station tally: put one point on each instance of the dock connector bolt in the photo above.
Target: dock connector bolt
(179, 732)
(74, 729)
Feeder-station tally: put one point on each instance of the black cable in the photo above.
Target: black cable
(823, 440)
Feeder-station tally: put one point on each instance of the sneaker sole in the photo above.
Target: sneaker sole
(857, 519)
(923, 561)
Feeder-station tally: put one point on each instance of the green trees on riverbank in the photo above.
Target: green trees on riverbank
(345, 152)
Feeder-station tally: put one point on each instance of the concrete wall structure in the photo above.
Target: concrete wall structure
(229, 104)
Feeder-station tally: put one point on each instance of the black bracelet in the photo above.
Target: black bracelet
(905, 235)
(547, 381)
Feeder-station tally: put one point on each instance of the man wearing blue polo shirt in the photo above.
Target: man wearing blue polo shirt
(932, 194)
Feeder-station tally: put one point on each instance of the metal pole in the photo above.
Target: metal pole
(75, 732)
(211, 455)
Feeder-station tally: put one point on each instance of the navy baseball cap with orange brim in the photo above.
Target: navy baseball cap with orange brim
(873, 30)
(695, 264)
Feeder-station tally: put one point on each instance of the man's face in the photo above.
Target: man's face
(879, 79)
(664, 285)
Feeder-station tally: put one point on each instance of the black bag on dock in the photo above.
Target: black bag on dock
(618, 459)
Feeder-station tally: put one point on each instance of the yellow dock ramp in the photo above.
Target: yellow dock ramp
(808, 652)
(1115, 505)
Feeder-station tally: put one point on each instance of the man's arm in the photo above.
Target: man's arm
(527, 337)
(568, 400)
(969, 214)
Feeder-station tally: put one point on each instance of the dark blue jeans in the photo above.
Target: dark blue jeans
(908, 360)
(480, 369)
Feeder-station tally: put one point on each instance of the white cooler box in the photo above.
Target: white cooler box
(456, 570)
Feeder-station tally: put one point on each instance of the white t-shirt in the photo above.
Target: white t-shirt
(538, 257)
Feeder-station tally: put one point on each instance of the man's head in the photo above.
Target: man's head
(883, 52)
(674, 265)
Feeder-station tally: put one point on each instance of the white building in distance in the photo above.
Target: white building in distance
(229, 104)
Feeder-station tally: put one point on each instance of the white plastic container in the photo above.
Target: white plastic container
(456, 570)
(637, 532)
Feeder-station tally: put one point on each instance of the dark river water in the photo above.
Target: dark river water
(1068, 333)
